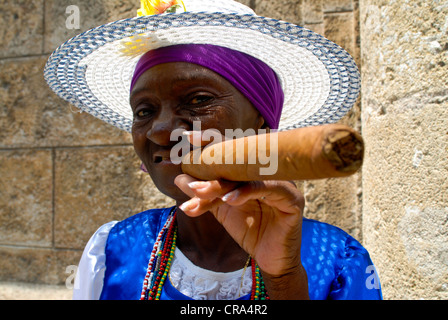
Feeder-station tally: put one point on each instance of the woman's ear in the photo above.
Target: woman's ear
(261, 123)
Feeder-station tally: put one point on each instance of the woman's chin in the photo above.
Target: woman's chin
(164, 181)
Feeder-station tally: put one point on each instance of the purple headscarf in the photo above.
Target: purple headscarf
(252, 77)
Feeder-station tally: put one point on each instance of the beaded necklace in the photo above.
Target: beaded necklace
(162, 256)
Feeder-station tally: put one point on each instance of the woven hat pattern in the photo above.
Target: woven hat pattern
(320, 79)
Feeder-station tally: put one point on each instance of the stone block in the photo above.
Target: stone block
(405, 200)
(338, 5)
(38, 266)
(340, 28)
(405, 105)
(13, 291)
(413, 55)
(33, 116)
(337, 202)
(94, 186)
(26, 212)
(312, 11)
(22, 28)
(59, 26)
(286, 10)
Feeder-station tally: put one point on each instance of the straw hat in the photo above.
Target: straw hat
(93, 70)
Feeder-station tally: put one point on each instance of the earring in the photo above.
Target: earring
(143, 168)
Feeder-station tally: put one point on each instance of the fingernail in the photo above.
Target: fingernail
(230, 196)
(199, 185)
(189, 205)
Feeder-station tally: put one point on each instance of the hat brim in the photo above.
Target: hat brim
(93, 70)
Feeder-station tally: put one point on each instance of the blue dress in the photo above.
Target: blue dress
(338, 266)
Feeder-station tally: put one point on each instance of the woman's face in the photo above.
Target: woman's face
(172, 96)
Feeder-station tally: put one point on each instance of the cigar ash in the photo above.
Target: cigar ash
(344, 149)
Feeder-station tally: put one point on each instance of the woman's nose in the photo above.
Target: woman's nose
(162, 128)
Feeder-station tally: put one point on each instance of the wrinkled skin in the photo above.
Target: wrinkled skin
(220, 223)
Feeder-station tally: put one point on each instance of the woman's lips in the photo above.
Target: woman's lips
(162, 160)
(164, 156)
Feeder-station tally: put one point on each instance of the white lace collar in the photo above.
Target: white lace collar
(202, 284)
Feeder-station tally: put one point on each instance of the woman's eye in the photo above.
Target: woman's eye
(200, 99)
(143, 113)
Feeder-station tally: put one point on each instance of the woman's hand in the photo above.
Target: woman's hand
(264, 218)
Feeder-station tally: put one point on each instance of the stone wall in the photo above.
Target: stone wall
(63, 174)
(405, 124)
(336, 201)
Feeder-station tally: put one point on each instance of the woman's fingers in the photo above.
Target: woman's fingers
(204, 189)
(205, 195)
(280, 194)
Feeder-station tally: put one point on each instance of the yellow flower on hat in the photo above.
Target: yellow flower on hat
(152, 7)
(138, 44)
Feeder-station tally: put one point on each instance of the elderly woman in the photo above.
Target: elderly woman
(223, 239)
